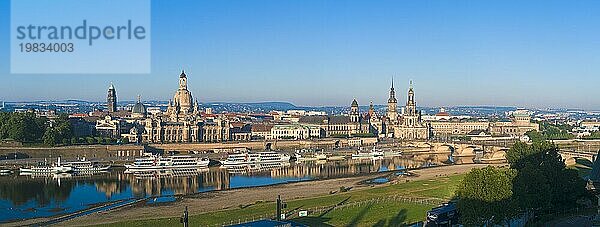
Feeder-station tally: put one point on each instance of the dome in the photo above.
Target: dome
(139, 107)
(354, 103)
(183, 98)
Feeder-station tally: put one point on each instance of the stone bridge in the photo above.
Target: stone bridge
(466, 152)
(570, 156)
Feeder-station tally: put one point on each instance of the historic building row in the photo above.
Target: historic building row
(184, 122)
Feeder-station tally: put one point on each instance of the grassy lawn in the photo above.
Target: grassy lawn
(376, 214)
(383, 213)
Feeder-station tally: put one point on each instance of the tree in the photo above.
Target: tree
(535, 136)
(50, 137)
(25, 127)
(60, 131)
(531, 189)
(4, 116)
(522, 154)
(543, 183)
(485, 195)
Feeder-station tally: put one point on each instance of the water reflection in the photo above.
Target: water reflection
(30, 196)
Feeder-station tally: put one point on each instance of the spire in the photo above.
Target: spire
(182, 81)
(392, 98)
(139, 99)
(111, 87)
(411, 94)
(354, 103)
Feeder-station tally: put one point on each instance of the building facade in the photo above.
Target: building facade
(295, 131)
(183, 123)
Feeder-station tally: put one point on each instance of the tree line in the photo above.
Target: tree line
(22, 127)
(551, 132)
(536, 182)
(28, 128)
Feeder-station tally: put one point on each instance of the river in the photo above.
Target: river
(25, 197)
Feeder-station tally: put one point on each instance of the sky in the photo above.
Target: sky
(533, 54)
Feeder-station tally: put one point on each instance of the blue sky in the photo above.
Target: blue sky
(310, 52)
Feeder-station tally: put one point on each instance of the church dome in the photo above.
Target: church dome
(139, 107)
(183, 98)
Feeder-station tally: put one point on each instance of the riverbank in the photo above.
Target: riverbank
(249, 202)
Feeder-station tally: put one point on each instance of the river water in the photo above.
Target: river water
(25, 197)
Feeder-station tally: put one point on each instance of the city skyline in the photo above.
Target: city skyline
(327, 53)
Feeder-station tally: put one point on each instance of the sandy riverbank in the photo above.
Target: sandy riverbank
(218, 200)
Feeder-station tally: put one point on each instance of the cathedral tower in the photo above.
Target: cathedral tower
(412, 128)
(354, 114)
(392, 112)
(111, 99)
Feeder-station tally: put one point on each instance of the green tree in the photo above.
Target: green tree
(485, 195)
(50, 137)
(543, 183)
(60, 131)
(4, 116)
(522, 154)
(25, 127)
(535, 136)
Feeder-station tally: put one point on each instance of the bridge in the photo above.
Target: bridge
(570, 156)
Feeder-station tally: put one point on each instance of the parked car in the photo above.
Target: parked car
(445, 215)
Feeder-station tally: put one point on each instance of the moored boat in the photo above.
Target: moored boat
(169, 162)
(255, 157)
(5, 171)
(84, 165)
(392, 153)
(374, 153)
(310, 157)
(57, 167)
(255, 167)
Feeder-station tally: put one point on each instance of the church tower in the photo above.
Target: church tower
(411, 116)
(392, 112)
(412, 128)
(111, 99)
(354, 114)
(183, 102)
(182, 81)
